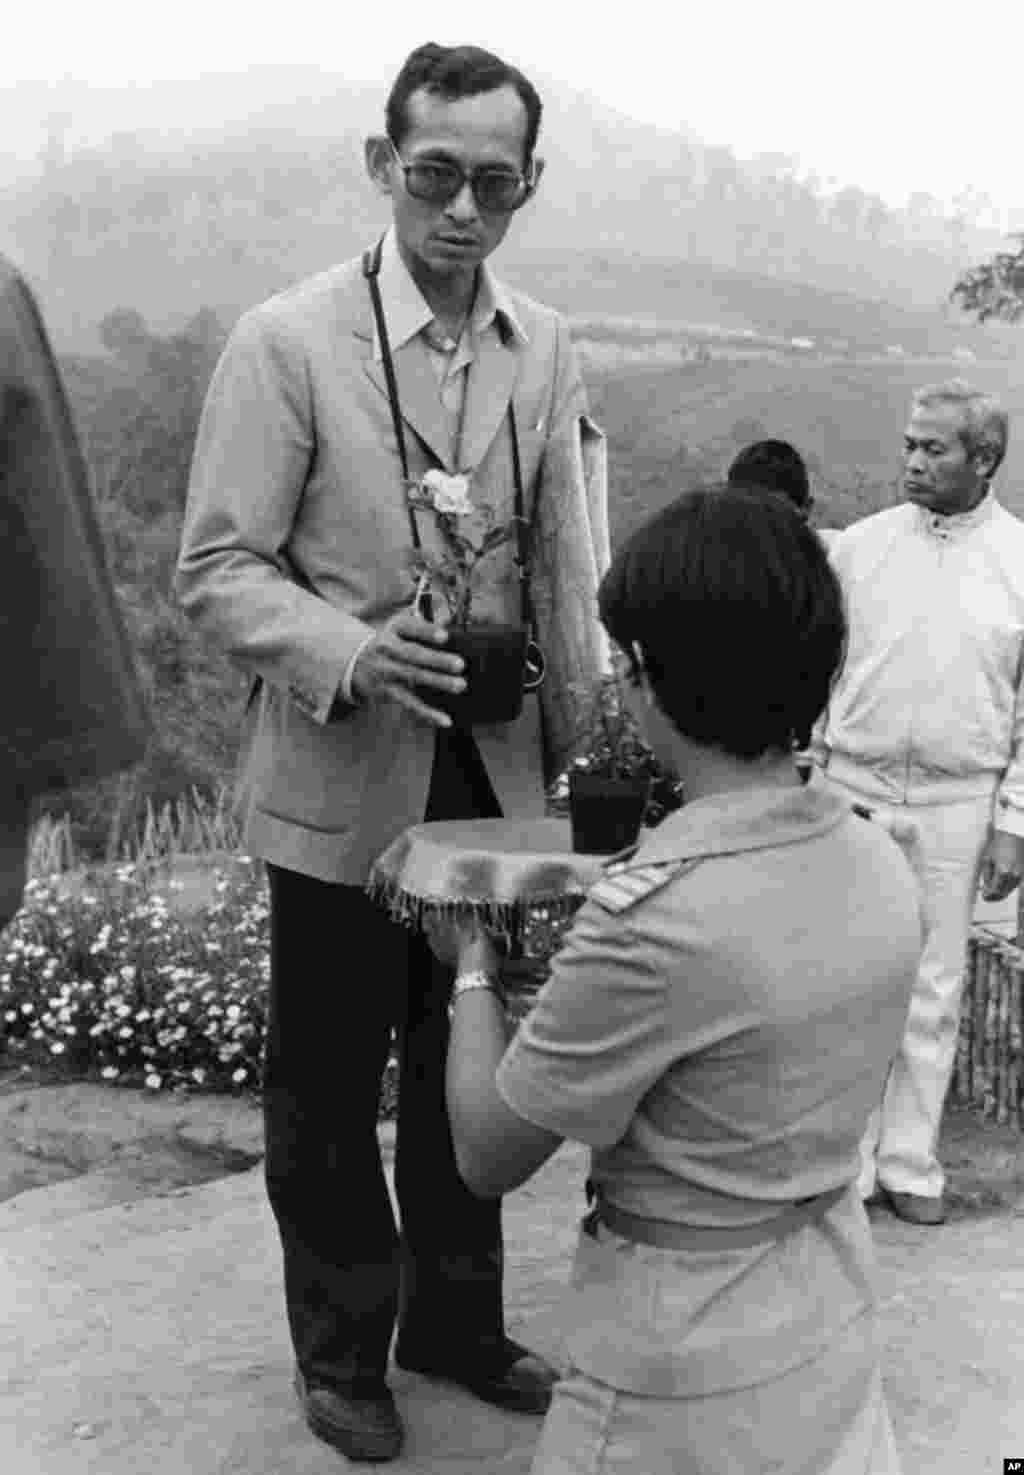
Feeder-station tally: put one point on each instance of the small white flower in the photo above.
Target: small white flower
(58, 1048)
(448, 493)
(199, 1075)
(154, 1082)
(110, 1072)
(239, 1076)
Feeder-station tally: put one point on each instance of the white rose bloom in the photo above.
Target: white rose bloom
(449, 493)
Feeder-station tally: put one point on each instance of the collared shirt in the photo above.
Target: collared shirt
(717, 1028)
(699, 1039)
(407, 314)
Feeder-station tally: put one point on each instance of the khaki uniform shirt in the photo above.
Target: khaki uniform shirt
(717, 1028)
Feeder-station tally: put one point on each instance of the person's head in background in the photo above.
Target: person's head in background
(954, 444)
(731, 617)
(773, 466)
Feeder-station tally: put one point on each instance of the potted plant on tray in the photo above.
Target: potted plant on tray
(615, 783)
(494, 653)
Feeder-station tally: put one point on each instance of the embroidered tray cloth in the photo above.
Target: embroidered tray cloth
(492, 867)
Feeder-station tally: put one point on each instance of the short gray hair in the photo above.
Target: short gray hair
(986, 425)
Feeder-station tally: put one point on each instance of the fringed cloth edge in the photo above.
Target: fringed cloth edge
(502, 917)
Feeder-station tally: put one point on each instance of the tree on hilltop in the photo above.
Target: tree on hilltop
(995, 289)
(124, 332)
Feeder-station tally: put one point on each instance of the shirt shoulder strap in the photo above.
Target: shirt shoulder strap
(623, 885)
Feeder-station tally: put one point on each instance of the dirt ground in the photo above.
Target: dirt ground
(139, 1142)
(143, 1142)
(113, 1263)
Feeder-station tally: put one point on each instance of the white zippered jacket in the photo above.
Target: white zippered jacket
(928, 707)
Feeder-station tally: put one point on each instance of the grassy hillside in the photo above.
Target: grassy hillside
(639, 295)
(668, 428)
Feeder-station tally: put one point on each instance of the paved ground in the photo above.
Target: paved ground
(147, 1335)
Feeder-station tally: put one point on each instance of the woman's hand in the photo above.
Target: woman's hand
(463, 943)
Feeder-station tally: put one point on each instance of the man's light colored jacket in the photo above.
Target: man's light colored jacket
(928, 706)
(296, 546)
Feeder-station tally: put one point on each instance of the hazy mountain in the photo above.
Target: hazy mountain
(305, 101)
(219, 190)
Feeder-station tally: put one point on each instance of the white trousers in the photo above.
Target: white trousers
(899, 1147)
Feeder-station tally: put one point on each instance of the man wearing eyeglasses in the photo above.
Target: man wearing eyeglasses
(296, 558)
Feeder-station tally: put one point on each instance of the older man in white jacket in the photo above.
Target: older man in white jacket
(926, 722)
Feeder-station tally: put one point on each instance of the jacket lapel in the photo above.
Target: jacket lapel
(492, 377)
(418, 397)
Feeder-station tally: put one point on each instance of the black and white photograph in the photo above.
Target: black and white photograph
(512, 811)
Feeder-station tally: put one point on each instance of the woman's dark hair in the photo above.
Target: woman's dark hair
(737, 615)
(453, 72)
(773, 466)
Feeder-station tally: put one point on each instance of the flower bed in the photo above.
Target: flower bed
(104, 974)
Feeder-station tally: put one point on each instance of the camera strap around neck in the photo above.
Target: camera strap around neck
(524, 530)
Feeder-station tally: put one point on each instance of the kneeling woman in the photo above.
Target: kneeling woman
(717, 1028)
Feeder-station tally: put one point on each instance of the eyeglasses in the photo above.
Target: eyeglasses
(437, 181)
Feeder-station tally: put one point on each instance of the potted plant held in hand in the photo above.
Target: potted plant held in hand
(495, 653)
(615, 783)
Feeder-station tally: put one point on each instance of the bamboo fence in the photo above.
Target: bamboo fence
(988, 1076)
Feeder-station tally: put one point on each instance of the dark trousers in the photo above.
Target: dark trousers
(342, 977)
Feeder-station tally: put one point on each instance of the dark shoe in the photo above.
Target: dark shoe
(521, 1382)
(361, 1428)
(916, 1208)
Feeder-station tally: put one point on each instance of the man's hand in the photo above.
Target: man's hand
(1002, 865)
(403, 655)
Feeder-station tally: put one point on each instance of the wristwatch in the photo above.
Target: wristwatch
(467, 982)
